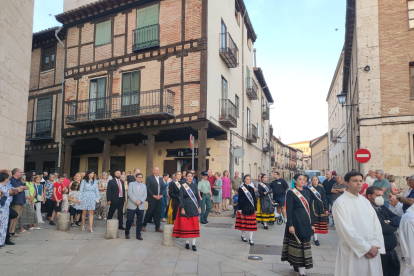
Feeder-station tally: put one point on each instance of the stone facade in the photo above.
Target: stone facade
(319, 149)
(15, 44)
(382, 118)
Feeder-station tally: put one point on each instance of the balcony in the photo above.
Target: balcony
(266, 146)
(228, 50)
(251, 134)
(333, 134)
(154, 104)
(265, 112)
(228, 113)
(39, 130)
(251, 89)
(272, 159)
(146, 37)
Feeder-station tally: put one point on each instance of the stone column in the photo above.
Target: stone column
(202, 150)
(63, 222)
(112, 229)
(105, 161)
(168, 239)
(150, 153)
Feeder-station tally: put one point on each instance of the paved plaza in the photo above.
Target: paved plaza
(220, 252)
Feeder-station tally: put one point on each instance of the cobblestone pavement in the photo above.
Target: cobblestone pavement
(220, 252)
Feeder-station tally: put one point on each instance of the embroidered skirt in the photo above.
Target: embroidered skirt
(171, 219)
(28, 217)
(186, 227)
(265, 217)
(246, 223)
(321, 221)
(298, 255)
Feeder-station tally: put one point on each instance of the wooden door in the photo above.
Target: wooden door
(170, 166)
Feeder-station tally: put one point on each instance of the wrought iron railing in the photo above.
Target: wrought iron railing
(146, 37)
(266, 147)
(333, 134)
(252, 133)
(228, 113)
(138, 104)
(251, 89)
(265, 112)
(228, 50)
(38, 130)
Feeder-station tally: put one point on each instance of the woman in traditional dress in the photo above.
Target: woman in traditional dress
(246, 213)
(226, 193)
(174, 194)
(4, 206)
(186, 224)
(296, 243)
(88, 197)
(103, 207)
(265, 209)
(319, 209)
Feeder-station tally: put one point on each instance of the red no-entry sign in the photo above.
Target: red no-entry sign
(362, 155)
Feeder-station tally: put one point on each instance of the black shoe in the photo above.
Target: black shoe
(266, 227)
(194, 248)
(251, 242)
(233, 216)
(203, 222)
(296, 269)
(244, 239)
(121, 228)
(77, 224)
(317, 243)
(206, 221)
(187, 246)
(72, 225)
(9, 242)
(52, 223)
(127, 237)
(139, 238)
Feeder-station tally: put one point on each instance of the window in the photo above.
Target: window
(410, 14)
(147, 34)
(223, 88)
(223, 36)
(263, 132)
(43, 123)
(237, 105)
(258, 130)
(93, 163)
(249, 44)
(236, 160)
(412, 81)
(97, 93)
(411, 147)
(262, 104)
(48, 58)
(103, 33)
(248, 77)
(130, 88)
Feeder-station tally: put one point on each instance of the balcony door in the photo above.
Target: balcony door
(147, 33)
(97, 92)
(249, 128)
(248, 78)
(130, 93)
(224, 104)
(223, 36)
(43, 124)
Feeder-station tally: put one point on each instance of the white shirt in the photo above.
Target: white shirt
(109, 177)
(407, 240)
(358, 228)
(397, 209)
(158, 181)
(369, 180)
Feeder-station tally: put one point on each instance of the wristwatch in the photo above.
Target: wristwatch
(388, 221)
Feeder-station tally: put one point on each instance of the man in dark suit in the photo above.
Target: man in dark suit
(131, 178)
(155, 189)
(389, 223)
(115, 195)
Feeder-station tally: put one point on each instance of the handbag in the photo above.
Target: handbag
(38, 197)
(215, 192)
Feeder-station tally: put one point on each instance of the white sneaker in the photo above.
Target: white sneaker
(30, 229)
(41, 221)
(36, 228)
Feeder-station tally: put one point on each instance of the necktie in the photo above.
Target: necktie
(120, 188)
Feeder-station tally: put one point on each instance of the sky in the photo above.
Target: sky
(297, 48)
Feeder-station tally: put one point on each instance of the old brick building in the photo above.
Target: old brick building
(141, 76)
(44, 107)
(378, 84)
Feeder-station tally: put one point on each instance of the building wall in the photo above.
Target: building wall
(15, 43)
(303, 146)
(319, 158)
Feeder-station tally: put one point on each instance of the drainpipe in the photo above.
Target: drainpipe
(61, 98)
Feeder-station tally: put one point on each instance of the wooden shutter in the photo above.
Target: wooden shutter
(103, 33)
(147, 34)
(147, 16)
(44, 109)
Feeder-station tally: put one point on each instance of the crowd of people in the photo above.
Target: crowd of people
(179, 199)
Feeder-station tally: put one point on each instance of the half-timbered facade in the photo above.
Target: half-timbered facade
(44, 106)
(142, 76)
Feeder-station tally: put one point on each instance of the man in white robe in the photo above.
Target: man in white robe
(407, 239)
(359, 231)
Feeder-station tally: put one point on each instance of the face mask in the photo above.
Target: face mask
(379, 201)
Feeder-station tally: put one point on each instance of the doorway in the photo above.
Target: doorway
(49, 166)
(74, 166)
(117, 163)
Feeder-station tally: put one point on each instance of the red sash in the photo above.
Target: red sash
(303, 200)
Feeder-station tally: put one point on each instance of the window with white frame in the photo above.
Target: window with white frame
(410, 7)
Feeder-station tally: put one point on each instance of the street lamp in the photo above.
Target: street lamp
(338, 139)
(342, 100)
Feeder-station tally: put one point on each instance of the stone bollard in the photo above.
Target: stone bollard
(168, 238)
(112, 229)
(63, 222)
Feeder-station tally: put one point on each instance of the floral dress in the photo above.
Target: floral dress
(29, 216)
(102, 207)
(49, 190)
(4, 214)
(217, 198)
(88, 195)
